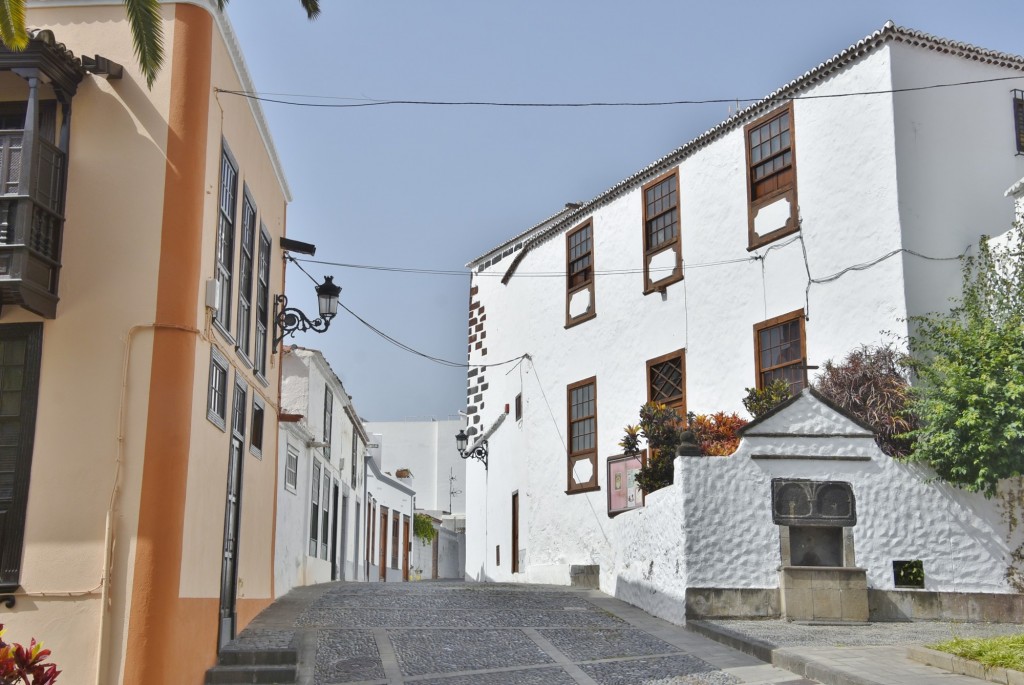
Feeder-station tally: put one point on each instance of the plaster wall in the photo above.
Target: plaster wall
(388, 493)
(118, 140)
(957, 155)
(427, 448)
(848, 217)
(292, 532)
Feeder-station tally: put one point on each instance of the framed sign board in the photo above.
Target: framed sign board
(623, 492)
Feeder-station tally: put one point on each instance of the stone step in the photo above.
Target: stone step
(257, 657)
(261, 675)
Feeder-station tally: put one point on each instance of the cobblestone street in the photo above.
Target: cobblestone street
(438, 633)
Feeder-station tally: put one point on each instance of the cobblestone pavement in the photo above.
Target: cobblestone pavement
(445, 633)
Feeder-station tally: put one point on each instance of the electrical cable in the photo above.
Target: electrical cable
(262, 97)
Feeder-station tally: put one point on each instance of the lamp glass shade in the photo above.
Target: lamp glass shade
(327, 293)
(461, 440)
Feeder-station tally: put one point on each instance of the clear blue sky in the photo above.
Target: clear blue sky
(434, 187)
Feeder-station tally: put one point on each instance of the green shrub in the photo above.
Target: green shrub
(661, 427)
(760, 401)
(423, 528)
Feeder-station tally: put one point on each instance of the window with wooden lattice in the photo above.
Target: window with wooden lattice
(663, 259)
(780, 350)
(666, 380)
(771, 177)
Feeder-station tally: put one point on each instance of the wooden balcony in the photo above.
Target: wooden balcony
(31, 224)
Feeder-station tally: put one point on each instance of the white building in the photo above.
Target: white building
(426, 449)
(809, 223)
(424, 456)
(390, 505)
(321, 474)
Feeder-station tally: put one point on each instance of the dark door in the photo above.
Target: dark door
(515, 532)
(383, 544)
(334, 535)
(405, 548)
(369, 541)
(229, 563)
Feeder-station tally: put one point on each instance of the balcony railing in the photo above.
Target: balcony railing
(31, 223)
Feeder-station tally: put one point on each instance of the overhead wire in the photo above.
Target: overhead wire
(370, 102)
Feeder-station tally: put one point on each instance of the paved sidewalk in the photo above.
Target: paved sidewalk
(871, 654)
(445, 633)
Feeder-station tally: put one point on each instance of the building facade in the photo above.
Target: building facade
(390, 507)
(138, 260)
(321, 474)
(807, 224)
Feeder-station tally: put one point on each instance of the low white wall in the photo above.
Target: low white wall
(449, 552)
(713, 527)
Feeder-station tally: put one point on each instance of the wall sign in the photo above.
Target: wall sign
(623, 492)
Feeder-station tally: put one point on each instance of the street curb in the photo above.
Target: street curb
(782, 658)
(961, 666)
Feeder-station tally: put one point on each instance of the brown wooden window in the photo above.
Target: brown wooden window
(780, 350)
(395, 540)
(771, 177)
(519, 407)
(1018, 119)
(226, 237)
(663, 263)
(579, 275)
(314, 514)
(582, 419)
(245, 280)
(20, 357)
(666, 381)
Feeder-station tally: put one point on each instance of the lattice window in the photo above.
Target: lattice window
(666, 380)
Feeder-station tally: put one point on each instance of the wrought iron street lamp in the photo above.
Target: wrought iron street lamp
(289, 320)
(479, 452)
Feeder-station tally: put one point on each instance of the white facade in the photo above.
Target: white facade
(427, 450)
(321, 475)
(885, 182)
(389, 525)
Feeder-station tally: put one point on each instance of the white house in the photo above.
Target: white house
(425, 456)
(813, 221)
(321, 473)
(390, 505)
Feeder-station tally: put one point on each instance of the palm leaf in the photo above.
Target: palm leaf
(12, 24)
(312, 7)
(147, 35)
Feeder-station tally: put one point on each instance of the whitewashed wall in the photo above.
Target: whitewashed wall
(387, 492)
(859, 200)
(427, 448)
(723, 505)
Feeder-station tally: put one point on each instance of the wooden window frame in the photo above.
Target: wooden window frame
(355, 456)
(12, 521)
(246, 255)
(651, 286)
(572, 457)
(754, 240)
(325, 515)
(676, 402)
(262, 304)
(314, 510)
(328, 421)
(291, 466)
(519, 407)
(217, 412)
(1018, 120)
(239, 407)
(771, 323)
(227, 208)
(588, 282)
(396, 538)
(259, 416)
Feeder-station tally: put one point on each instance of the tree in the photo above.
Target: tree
(969, 394)
(143, 17)
(871, 383)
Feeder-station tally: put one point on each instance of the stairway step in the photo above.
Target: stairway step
(257, 657)
(259, 675)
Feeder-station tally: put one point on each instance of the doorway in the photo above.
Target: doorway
(383, 544)
(334, 534)
(229, 561)
(405, 548)
(515, 532)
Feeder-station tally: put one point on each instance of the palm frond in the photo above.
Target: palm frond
(12, 24)
(312, 8)
(147, 36)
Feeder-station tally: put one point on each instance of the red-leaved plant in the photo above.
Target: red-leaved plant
(716, 433)
(21, 665)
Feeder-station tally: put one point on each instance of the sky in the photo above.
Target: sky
(435, 187)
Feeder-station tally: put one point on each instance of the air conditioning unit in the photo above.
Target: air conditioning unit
(213, 294)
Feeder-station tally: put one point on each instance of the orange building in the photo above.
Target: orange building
(139, 257)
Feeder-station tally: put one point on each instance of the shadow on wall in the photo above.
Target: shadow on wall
(646, 595)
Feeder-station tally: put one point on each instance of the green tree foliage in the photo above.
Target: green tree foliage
(143, 17)
(760, 400)
(969, 394)
(661, 427)
(871, 383)
(423, 528)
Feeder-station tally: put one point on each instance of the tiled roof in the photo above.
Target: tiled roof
(889, 32)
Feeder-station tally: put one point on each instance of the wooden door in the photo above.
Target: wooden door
(229, 557)
(405, 548)
(383, 544)
(515, 532)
